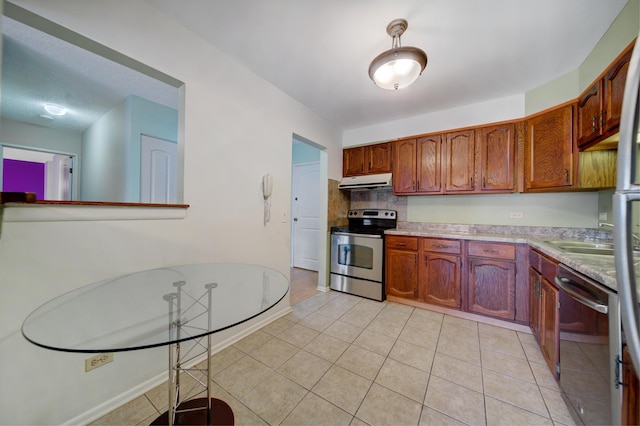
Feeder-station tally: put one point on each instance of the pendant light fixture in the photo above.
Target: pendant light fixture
(399, 66)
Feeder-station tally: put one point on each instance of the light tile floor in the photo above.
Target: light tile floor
(343, 360)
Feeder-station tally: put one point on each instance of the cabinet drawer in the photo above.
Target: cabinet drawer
(442, 246)
(534, 259)
(493, 250)
(548, 268)
(407, 243)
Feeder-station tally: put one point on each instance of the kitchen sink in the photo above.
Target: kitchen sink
(601, 251)
(570, 245)
(596, 248)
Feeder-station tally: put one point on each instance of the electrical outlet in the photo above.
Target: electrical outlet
(284, 216)
(97, 361)
(516, 215)
(602, 216)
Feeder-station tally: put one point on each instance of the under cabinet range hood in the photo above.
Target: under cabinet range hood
(382, 180)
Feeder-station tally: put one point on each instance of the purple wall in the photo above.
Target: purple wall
(23, 176)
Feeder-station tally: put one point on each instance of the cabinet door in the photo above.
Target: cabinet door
(353, 160)
(401, 273)
(404, 166)
(440, 279)
(534, 303)
(550, 154)
(590, 114)
(428, 164)
(459, 161)
(378, 158)
(614, 82)
(630, 391)
(550, 325)
(496, 146)
(492, 288)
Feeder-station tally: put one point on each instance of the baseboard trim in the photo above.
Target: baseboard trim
(108, 406)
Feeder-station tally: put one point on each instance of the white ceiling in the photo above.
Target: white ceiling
(319, 51)
(38, 68)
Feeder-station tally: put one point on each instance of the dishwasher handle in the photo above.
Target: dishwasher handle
(569, 285)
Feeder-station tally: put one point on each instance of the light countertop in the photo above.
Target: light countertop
(598, 268)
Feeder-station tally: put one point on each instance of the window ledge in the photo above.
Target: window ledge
(59, 211)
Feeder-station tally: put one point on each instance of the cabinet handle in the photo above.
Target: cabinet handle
(440, 246)
(401, 244)
(471, 182)
(566, 175)
(484, 181)
(594, 124)
(491, 251)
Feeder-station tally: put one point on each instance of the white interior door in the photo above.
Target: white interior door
(59, 183)
(158, 165)
(306, 215)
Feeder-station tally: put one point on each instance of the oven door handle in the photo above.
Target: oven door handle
(568, 286)
(352, 234)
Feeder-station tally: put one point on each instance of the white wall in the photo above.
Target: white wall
(509, 108)
(105, 150)
(572, 210)
(234, 132)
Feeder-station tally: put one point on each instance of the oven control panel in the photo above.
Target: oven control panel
(372, 214)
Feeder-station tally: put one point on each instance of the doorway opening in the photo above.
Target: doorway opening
(48, 174)
(309, 198)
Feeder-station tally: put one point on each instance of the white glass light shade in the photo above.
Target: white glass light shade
(54, 109)
(397, 68)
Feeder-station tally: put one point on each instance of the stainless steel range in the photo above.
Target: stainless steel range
(357, 253)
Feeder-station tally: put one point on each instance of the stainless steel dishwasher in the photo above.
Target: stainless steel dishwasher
(590, 348)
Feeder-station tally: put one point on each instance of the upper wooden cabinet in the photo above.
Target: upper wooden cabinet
(459, 161)
(468, 161)
(404, 166)
(496, 158)
(550, 152)
(417, 165)
(363, 160)
(600, 106)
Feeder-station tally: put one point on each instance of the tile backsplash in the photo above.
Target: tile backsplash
(338, 205)
(380, 199)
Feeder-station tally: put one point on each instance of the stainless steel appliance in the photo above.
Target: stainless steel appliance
(357, 253)
(590, 347)
(626, 209)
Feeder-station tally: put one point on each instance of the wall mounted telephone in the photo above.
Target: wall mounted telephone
(267, 185)
(267, 188)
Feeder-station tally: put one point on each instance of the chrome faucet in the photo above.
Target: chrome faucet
(635, 237)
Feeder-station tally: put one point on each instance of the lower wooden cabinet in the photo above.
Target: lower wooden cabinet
(401, 275)
(544, 314)
(481, 277)
(440, 272)
(630, 391)
(492, 280)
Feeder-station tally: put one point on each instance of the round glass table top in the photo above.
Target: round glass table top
(155, 307)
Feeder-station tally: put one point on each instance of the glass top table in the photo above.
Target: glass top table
(165, 306)
(132, 311)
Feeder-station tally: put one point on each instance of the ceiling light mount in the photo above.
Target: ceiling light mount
(399, 66)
